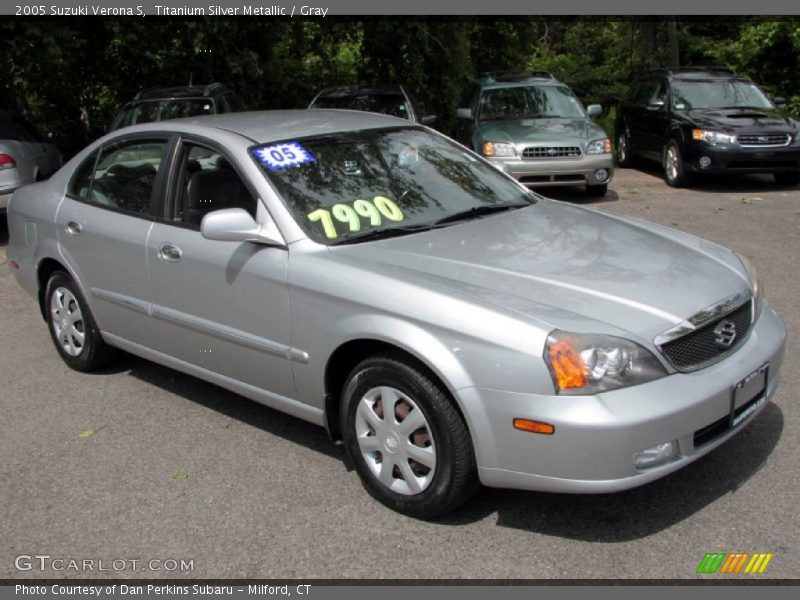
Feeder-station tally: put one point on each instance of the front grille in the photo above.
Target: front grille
(765, 139)
(545, 152)
(699, 348)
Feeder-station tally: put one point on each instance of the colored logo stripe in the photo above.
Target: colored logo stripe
(734, 562)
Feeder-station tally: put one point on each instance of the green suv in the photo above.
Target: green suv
(536, 130)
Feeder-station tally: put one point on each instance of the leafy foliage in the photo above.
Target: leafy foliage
(71, 76)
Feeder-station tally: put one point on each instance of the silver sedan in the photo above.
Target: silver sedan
(371, 276)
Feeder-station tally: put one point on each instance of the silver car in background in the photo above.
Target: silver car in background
(25, 155)
(371, 276)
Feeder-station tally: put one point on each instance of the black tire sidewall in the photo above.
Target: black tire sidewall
(437, 498)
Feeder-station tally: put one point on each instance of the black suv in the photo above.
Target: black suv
(706, 120)
(160, 104)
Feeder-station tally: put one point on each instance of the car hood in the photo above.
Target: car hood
(559, 131)
(567, 267)
(732, 120)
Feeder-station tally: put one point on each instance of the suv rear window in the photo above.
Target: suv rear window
(387, 104)
(161, 110)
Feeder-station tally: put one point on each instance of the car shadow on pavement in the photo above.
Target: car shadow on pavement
(640, 512)
(230, 404)
(731, 183)
(576, 195)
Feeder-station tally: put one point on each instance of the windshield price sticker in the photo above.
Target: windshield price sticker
(351, 214)
(280, 156)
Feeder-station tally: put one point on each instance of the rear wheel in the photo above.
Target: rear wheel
(786, 178)
(72, 327)
(405, 437)
(674, 173)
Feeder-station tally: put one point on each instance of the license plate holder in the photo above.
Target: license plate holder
(748, 394)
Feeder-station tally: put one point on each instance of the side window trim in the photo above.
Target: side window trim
(182, 141)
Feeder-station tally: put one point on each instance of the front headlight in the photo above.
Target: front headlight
(587, 364)
(712, 137)
(499, 149)
(599, 147)
(758, 289)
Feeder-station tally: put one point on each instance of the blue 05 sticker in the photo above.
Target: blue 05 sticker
(280, 156)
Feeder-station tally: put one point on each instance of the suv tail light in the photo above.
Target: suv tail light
(7, 162)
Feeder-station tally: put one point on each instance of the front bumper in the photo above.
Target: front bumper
(596, 437)
(735, 159)
(555, 172)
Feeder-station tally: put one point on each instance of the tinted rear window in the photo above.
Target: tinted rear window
(387, 104)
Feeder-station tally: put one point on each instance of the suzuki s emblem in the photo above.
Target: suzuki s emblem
(763, 139)
(725, 334)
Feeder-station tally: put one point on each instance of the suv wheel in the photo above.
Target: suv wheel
(674, 173)
(72, 327)
(624, 158)
(786, 178)
(405, 437)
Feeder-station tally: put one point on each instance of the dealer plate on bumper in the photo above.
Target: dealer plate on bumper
(748, 394)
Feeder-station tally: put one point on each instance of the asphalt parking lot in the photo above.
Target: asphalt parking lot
(143, 463)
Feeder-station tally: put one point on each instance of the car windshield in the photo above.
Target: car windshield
(387, 104)
(161, 110)
(688, 95)
(366, 184)
(521, 102)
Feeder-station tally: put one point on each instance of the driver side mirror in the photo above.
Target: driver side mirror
(237, 225)
(594, 110)
(464, 113)
(656, 105)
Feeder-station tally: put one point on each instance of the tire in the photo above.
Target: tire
(72, 327)
(624, 157)
(444, 476)
(597, 190)
(787, 178)
(674, 173)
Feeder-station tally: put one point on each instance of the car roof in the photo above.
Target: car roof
(340, 91)
(184, 91)
(698, 73)
(274, 125)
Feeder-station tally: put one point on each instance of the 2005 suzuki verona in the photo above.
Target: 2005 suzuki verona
(370, 275)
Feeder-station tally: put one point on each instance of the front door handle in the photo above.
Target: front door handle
(74, 228)
(169, 252)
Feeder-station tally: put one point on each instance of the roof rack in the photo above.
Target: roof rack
(211, 87)
(514, 77)
(698, 70)
(150, 89)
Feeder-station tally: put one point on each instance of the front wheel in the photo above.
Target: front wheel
(674, 173)
(72, 327)
(405, 437)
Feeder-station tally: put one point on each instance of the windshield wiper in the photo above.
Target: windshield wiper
(477, 211)
(377, 234)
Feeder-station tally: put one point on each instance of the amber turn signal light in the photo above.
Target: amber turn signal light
(534, 426)
(567, 365)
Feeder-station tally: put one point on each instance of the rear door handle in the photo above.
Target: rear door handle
(169, 252)
(74, 228)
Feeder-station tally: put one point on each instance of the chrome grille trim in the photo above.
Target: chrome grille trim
(675, 339)
(765, 140)
(552, 152)
(697, 320)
